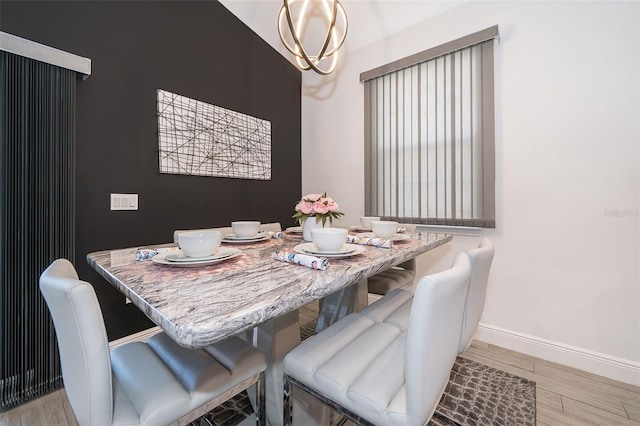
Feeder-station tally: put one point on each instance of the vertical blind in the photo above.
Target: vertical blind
(37, 210)
(429, 135)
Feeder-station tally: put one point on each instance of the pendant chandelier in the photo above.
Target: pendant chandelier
(294, 19)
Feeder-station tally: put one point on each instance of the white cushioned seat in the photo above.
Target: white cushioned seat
(152, 383)
(395, 307)
(377, 371)
(124, 413)
(395, 277)
(236, 361)
(155, 393)
(364, 386)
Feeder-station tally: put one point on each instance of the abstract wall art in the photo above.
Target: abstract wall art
(197, 138)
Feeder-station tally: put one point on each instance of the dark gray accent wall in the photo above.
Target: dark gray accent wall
(194, 48)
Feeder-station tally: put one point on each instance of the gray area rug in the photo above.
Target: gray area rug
(480, 395)
(476, 395)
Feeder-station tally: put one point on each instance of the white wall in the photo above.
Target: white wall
(565, 283)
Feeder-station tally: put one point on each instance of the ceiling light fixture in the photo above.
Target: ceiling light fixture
(331, 13)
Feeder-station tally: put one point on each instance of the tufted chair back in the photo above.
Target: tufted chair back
(480, 259)
(82, 340)
(433, 335)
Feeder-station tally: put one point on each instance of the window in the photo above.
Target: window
(429, 135)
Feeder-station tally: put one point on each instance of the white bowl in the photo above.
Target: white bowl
(245, 228)
(384, 228)
(329, 239)
(199, 243)
(365, 221)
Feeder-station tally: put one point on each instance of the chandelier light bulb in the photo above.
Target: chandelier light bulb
(293, 24)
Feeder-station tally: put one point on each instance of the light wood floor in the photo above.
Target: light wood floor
(565, 396)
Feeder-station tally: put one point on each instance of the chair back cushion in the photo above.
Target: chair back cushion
(273, 227)
(480, 259)
(433, 337)
(82, 340)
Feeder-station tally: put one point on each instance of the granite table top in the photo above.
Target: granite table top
(202, 305)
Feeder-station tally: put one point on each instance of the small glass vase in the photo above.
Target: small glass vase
(309, 224)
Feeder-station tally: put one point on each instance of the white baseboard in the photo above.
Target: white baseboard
(619, 369)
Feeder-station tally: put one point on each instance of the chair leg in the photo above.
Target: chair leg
(205, 422)
(444, 418)
(290, 383)
(261, 409)
(288, 402)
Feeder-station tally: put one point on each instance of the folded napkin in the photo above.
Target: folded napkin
(314, 262)
(376, 242)
(146, 254)
(272, 234)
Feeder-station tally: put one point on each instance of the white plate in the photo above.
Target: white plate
(160, 258)
(312, 249)
(300, 248)
(296, 229)
(231, 238)
(260, 234)
(396, 237)
(180, 256)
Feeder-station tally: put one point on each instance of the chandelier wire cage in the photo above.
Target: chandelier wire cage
(332, 13)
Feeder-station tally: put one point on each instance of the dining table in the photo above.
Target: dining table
(250, 293)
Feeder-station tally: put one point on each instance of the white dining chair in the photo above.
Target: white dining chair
(377, 373)
(399, 276)
(480, 259)
(341, 303)
(396, 305)
(152, 383)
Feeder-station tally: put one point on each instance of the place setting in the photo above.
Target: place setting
(329, 243)
(365, 224)
(197, 248)
(373, 227)
(294, 229)
(246, 232)
(383, 229)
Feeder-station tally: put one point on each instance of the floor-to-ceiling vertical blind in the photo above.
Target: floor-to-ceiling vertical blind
(429, 135)
(37, 135)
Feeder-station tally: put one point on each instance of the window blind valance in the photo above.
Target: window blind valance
(434, 52)
(49, 55)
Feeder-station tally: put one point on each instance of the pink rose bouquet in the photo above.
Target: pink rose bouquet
(318, 205)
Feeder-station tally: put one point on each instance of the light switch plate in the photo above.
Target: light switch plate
(124, 201)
